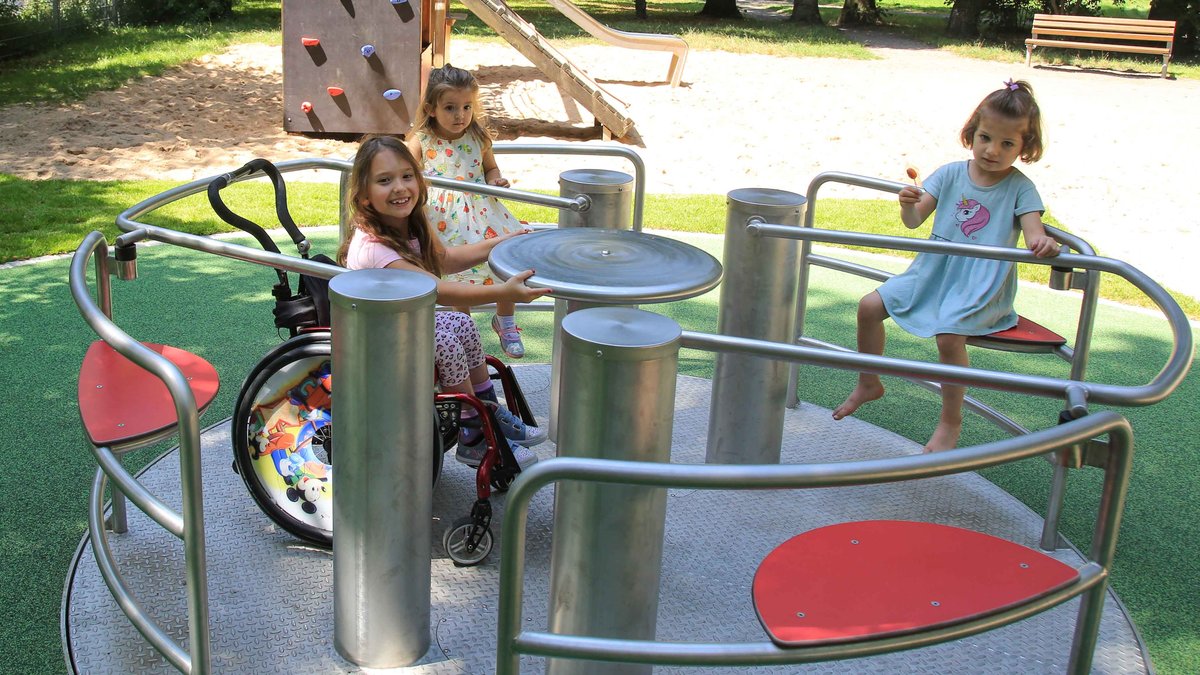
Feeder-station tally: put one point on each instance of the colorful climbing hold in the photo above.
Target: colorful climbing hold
(335, 91)
(310, 41)
(399, 2)
(367, 51)
(306, 107)
(391, 94)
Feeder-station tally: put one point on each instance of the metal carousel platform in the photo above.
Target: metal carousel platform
(271, 598)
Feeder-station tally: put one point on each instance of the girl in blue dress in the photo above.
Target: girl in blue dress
(984, 200)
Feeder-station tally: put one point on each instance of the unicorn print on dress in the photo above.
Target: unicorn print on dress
(971, 215)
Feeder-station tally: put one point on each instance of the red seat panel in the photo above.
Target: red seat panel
(120, 402)
(879, 578)
(1028, 332)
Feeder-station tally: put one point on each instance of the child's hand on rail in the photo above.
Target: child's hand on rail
(500, 181)
(1043, 246)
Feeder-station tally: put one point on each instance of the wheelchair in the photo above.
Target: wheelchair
(282, 426)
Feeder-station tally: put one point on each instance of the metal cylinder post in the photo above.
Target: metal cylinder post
(758, 300)
(619, 369)
(611, 193)
(383, 501)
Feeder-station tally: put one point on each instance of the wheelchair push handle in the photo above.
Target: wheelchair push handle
(281, 208)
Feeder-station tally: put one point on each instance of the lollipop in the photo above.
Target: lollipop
(912, 173)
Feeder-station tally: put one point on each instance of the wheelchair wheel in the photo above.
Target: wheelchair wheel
(283, 440)
(457, 541)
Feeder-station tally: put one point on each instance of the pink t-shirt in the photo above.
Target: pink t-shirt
(369, 252)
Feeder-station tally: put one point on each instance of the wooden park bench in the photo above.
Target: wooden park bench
(1141, 36)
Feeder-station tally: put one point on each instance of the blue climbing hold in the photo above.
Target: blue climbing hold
(391, 94)
(367, 51)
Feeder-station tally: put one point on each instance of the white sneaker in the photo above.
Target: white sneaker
(525, 457)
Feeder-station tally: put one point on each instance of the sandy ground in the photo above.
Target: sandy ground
(1115, 169)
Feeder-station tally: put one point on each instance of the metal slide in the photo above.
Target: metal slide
(650, 41)
(609, 111)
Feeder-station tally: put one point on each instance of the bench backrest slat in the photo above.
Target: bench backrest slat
(1143, 37)
(1054, 20)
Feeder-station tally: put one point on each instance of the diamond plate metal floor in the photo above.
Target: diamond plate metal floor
(272, 603)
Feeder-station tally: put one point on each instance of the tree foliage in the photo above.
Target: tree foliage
(1186, 15)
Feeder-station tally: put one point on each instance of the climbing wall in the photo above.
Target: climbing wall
(351, 66)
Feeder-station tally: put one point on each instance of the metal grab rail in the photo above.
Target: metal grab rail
(139, 231)
(190, 526)
(639, 167)
(512, 640)
(1156, 390)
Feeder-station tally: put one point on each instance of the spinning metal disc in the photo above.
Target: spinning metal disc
(617, 266)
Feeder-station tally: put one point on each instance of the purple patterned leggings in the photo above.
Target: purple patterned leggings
(457, 348)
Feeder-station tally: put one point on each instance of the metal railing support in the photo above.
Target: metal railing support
(382, 331)
(605, 562)
(608, 195)
(757, 301)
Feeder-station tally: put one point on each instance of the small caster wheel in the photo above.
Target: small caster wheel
(502, 480)
(457, 545)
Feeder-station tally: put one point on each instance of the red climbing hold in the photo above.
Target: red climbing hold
(335, 91)
(310, 41)
(306, 107)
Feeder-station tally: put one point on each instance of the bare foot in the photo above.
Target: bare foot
(863, 393)
(945, 437)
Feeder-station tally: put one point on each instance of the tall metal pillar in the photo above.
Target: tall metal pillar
(382, 355)
(611, 193)
(758, 300)
(619, 369)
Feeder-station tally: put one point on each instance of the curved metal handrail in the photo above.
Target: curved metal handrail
(512, 640)
(1168, 378)
(1077, 354)
(1156, 390)
(127, 221)
(190, 526)
(639, 167)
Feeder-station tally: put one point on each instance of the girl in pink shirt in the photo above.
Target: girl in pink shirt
(387, 195)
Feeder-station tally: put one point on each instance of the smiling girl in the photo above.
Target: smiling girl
(387, 196)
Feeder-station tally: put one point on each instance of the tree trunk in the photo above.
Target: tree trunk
(964, 18)
(859, 13)
(639, 8)
(720, 9)
(806, 11)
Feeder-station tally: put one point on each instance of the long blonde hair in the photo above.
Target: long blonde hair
(365, 218)
(448, 78)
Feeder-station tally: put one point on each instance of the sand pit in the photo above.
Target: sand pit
(1114, 169)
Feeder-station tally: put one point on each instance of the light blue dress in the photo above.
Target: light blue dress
(954, 294)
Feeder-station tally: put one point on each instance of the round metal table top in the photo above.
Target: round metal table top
(608, 266)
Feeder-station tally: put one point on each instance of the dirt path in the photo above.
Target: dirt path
(1115, 169)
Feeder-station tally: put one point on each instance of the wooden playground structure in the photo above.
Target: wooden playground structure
(361, 67)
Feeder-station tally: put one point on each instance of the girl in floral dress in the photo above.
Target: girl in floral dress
(450, 138)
